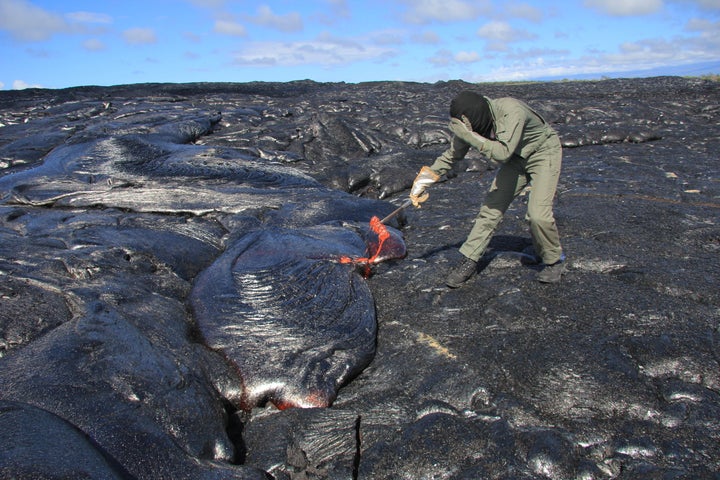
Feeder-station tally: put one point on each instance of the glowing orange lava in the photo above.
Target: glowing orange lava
(382, 233)
(377, 226)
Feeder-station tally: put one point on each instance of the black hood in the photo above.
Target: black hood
(476, 108)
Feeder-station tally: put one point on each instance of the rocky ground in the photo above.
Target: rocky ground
(613, 373)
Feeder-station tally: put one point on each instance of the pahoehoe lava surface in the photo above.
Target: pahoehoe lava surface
(170, 276)
(292, 319)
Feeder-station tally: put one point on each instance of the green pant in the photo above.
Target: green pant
(541, 170)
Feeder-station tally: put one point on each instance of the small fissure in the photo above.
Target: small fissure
(358, 445)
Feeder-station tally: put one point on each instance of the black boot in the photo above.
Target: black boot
(461, 273)
(552, 273)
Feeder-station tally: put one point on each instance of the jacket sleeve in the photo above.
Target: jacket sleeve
(507, 138)
(457, 151)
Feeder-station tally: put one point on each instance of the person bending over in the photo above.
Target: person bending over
(508, 131)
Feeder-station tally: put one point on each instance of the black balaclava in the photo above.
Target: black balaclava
(476, 108)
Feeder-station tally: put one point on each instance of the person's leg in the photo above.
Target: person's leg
(544, 170)
(508, 183)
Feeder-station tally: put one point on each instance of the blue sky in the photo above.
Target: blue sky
(54, 44)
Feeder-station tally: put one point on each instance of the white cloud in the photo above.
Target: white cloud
(208, 3)
(467, 57)
(139, 36)
(499, 31)
(624, 8)
(27, 22)
(426, 11)
(708, 4)
(339, 8)
(20, 85)
(93, 45)
(541, 68)
(426, 37)
(192, 37)
(324, 51)
(445, 58)
(228, 27)
(292, 22)
(707, 38)
(2, 85)
(441, 58)
(646, 52)
(89, 17)
(525, 11)
(499, 34)
(388, 37)
(664, 51)
(534, 54)
(629, 57)
(703, 26)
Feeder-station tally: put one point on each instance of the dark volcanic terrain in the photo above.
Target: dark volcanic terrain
(141, 337)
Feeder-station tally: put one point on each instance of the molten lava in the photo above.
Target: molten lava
(375, 252)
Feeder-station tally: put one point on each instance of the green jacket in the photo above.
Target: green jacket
(519, 130)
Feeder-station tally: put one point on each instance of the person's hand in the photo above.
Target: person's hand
(424, 179)
(463, 130)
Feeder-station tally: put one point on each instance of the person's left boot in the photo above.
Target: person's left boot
(461, 272)
(552, 273)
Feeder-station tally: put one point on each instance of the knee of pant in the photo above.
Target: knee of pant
(491, 214)
(540, 215)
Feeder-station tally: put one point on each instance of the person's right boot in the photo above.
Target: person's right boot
(461, 273)
(552, 273)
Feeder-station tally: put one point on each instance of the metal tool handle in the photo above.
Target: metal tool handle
(402, 207)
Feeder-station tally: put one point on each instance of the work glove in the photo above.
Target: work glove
(463, 130)
(424, 179)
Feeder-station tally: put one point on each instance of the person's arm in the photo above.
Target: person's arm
(429, 175)
(508, 135)
(457, 151)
